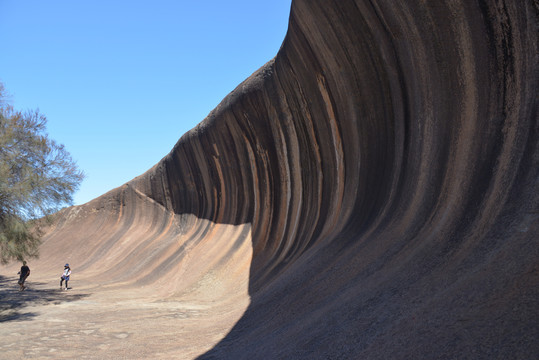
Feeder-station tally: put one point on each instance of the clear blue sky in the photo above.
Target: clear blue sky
(121, 81)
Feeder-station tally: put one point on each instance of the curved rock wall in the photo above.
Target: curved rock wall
(384, 167)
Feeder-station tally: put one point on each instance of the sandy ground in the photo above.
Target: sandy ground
(88, 322)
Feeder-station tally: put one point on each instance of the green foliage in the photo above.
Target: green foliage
(37, 178)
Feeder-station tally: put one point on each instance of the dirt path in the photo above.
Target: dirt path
(92, 323)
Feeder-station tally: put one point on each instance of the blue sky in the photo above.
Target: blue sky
(121, 81)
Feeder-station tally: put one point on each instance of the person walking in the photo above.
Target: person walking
(24, 273)
(65, 275)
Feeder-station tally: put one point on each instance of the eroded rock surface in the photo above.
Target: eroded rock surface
(373, 190)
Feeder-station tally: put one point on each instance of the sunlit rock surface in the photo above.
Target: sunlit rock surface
(373, 190)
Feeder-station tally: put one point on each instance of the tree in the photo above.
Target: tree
(37, 178)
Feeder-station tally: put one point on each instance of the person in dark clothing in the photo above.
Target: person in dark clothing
(24, 273)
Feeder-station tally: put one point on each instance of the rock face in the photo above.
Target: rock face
(384, 170)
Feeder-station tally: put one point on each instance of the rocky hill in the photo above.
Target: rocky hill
(373, 189)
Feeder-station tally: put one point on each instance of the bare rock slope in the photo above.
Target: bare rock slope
(374, 188)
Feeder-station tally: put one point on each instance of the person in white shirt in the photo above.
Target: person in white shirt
(65, 275)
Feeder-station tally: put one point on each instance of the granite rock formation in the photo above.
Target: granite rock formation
(378, 182)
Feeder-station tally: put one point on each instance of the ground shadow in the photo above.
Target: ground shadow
(13, 301)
